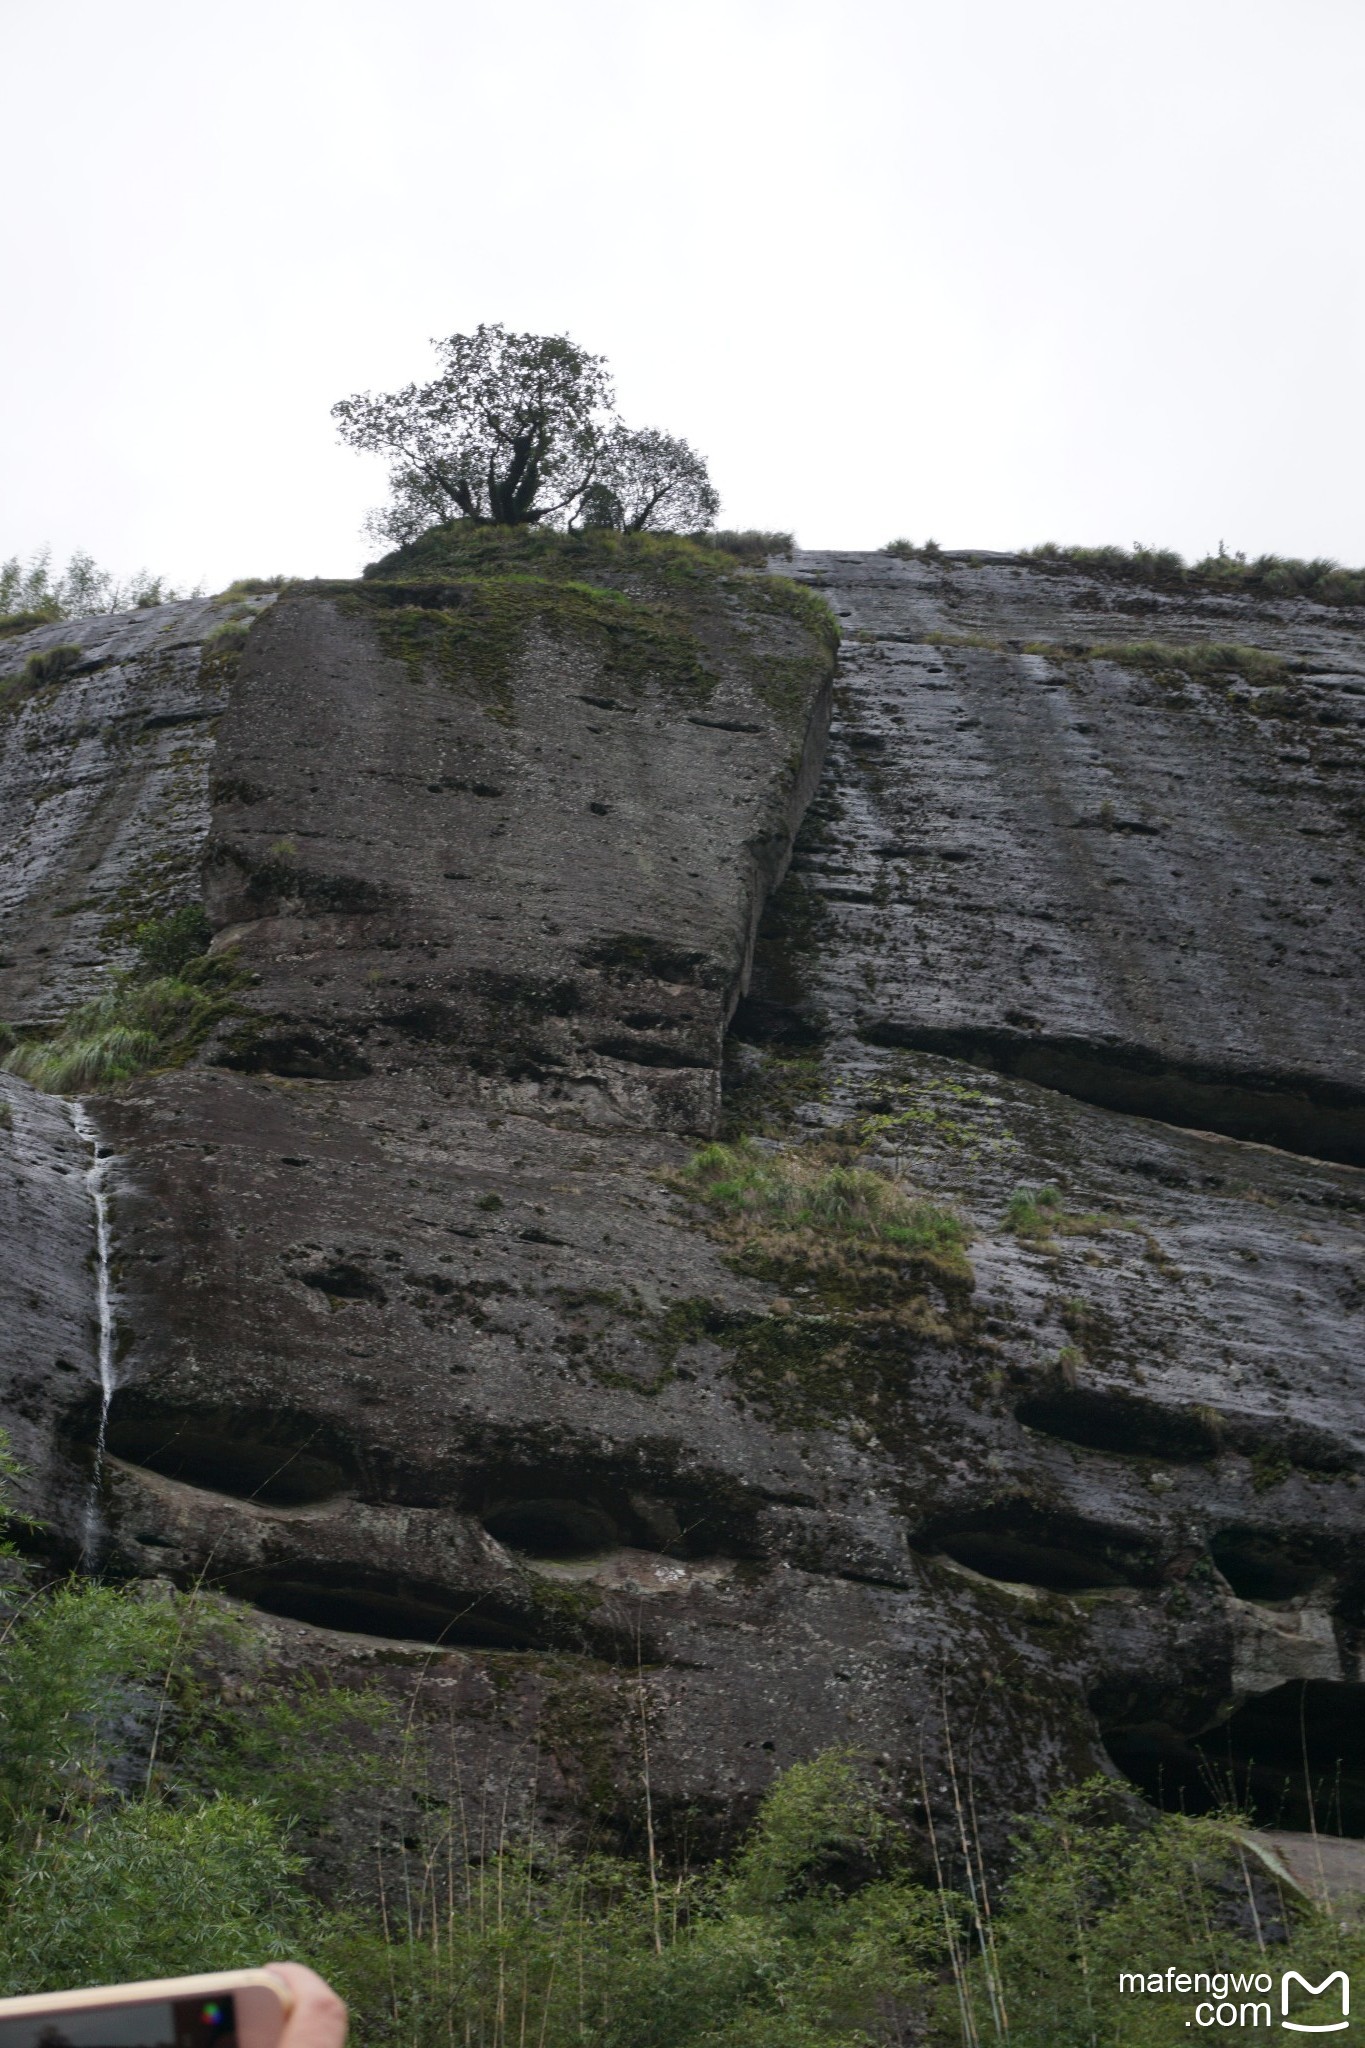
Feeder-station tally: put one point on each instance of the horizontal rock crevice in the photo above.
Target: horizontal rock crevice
(1308, 1113)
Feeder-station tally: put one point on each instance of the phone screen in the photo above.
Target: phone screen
(157, 2023)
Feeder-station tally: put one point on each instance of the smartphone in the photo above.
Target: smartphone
(234, 2009)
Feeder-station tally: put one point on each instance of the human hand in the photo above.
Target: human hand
(318, 2019)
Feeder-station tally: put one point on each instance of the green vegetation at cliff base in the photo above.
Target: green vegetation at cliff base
(155, 1821)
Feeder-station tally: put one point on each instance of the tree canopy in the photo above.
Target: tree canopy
(30, 590)
(519, 430)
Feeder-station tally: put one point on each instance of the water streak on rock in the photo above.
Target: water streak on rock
(96, 1179)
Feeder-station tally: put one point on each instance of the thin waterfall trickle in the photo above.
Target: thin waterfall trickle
(96, 1176)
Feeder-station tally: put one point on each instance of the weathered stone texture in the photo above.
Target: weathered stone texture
(47, 1292)
(421, 1344)
(103, 793)
(1141, 889)
(555, 879)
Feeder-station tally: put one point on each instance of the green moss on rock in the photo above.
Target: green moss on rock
(463, 603)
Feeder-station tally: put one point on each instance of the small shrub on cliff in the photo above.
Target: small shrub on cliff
(140, 1020)
(229, 638)
(250, 586)
(802, 1218)
(169, 943)
(1321, 580)
(50, 664)
(47, 665)
(1039, 1214)
(13, 623)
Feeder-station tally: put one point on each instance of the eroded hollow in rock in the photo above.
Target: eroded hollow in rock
(297, 1055)
(280, 1459)
(1059, 1553)
(1259, 1565)
(578, 1502)
(343, 1280)
(552, 1528)
(376, 1604)
(1119, 1422)
(1299, 1112)
(1293, 1757)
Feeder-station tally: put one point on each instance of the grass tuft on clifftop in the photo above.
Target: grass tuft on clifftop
(1322, 581)
(651, 609)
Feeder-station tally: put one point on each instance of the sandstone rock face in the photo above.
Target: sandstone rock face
(103, 791)
(551, 874)
(1029, 867)
(1112, 876)
(429, 1350)
(48, 1331)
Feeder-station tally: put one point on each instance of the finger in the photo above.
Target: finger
(318, 2019)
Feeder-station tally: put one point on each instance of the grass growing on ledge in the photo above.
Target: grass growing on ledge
(1040, 1215)
(151, 1015)
(853, 1234)
(1321, 580)
(788, 1192)
(1216, 661)
(1203, 661)
(47, 665)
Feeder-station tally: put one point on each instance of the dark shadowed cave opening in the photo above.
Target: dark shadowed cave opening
(1119, 1422)
(1023, 1545)
(1293, 1757)
(280, 1459)
(552, 1528)
(1261, 1565)
(1304, 1113)
(569, 1500)
(297, 1055)
(377, 1604)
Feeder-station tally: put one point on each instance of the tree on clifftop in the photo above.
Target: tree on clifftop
(647, 478)
(519, 430)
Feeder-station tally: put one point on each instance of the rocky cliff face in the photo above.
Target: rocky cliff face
(434, 1347)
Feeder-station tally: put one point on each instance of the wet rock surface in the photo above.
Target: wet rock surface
(546, 873)
(1065, 857)
(427, 1352)
(103, 791)
(48, 1328)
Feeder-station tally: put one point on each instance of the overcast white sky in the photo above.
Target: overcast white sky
(996, 271)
